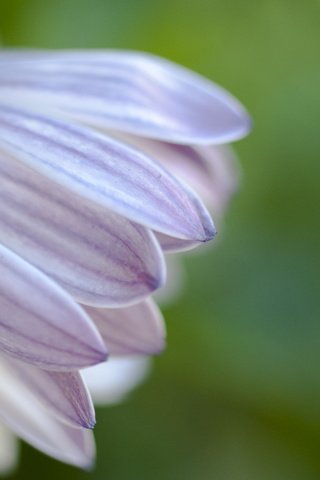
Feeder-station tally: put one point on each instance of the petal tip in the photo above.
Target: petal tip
(152, 282)
(245, 125)
(90, 424)
(210, 234)
(99, 355)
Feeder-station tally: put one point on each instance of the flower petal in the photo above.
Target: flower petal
(21, 411)
(64, 394)
(128, 91)
(211, 171)
(170, 243)
(99, 257)
(175, 284)
(40, 323)
(173, 245)
(138, 329)
(111, 381)
(9, 450)
(103, 170)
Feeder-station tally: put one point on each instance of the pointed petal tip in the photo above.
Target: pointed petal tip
(99, 355)
(90, 424)
(152, 282)
(239, 126)
(157, 279)
(209, 230)
(87, 419)
(244, 127)
(210, 234)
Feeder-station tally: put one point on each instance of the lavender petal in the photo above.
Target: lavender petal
(63, 394)
(99, 257)
(102, 170)
(21, 411)
(135, 330)
(128, 91)
(40, 323)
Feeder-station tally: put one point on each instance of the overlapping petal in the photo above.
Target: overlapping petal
(127, 91)
(138, 329)
(101, 258)
(40, 323)
(210, 170)
(63, 394)
(105, 171)
(86, 215)
(21, 411)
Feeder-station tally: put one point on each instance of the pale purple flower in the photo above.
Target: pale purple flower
(100, 157)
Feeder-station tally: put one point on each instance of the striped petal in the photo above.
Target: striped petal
(40, 323)
(21, 411)
(128, 91)
(211, 171)
(63, 394)
(138, 329)
(103, 170)
(170, 243)
(99, 257)
(110, 382)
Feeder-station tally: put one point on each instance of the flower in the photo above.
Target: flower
(99, 156)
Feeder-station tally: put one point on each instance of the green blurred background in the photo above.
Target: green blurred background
(236, 396)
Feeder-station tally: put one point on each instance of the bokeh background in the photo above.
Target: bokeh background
(236, 396)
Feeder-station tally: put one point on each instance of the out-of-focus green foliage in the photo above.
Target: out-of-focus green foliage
(237, 394)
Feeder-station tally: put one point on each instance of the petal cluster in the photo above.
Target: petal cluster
(108, 160)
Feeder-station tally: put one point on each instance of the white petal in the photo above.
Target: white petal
(103, 170)
(40, 323)
(99, 257)
(64, 394)
(175, 283)
(9, 450)
(138, 329)
(21, 412)
(128, 91)
(110, 382)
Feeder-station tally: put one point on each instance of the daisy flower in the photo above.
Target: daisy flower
(103, 156)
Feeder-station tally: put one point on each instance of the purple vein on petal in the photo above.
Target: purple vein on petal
(21, 411)
(103, 170)
(100, 257)
(64, 394)
(128, 91)
(40, 323)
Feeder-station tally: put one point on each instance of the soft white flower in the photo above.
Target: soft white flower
(100, 157)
